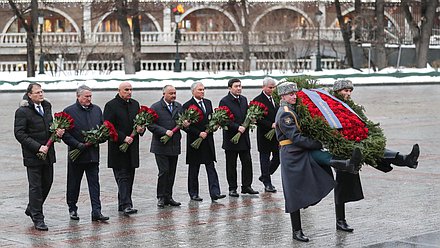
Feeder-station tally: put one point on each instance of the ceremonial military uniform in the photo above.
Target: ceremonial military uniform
(348, 186)
(305, 172)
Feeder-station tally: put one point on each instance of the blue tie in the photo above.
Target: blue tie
(171, 108)
(40, 111)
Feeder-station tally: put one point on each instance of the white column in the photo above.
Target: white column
(87, 21)
(167, 23)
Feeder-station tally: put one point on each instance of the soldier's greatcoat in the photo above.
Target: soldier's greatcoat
(305, 182)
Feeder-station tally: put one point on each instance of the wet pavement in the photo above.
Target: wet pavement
(400, 209)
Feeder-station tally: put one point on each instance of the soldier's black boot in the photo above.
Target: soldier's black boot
(295, 219)
(341, 223)
(351, 165)
(409, 160)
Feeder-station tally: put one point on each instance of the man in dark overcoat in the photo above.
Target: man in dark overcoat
(266, 147)
(305, 169)
(87, 116)
(121, 111)
(205, 154)
(238, 105)
(348, 186)
(166, 154)
(31, 129)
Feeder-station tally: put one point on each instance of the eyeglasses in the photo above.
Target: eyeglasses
(38, 92)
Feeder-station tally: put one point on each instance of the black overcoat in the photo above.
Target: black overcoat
(348, 187)
(238, 109)
(85, 119)
(32, 131)
(166, 121)
(265, 125)
(304, 181)
(206, 152)
(121, 114)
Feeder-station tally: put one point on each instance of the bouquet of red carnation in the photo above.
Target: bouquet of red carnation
(96, 136)
(193, 115)
(256, 111)
(61, 120)
(220, 118)
(145, 117)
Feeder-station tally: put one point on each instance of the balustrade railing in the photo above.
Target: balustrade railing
(209, 65)
(194, 38)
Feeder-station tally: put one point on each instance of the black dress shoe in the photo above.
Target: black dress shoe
(299, 235)
(172, 202)
(100, 217)
(161, 202)
(248, 190)
(233, 193)
(343, 226)
(216, 197)
(129, 211)
(73, 215)
(270, 189)
(196, 198)
(40, 226)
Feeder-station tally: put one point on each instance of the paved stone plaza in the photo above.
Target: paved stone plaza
(400, 209)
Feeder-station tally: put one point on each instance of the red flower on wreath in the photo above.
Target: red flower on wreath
(353, 128)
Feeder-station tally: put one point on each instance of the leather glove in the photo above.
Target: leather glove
(316, 145)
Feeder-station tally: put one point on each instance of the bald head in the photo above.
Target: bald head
(125, 90)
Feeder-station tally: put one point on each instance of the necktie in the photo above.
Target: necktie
(202, 106)
(271, 101)
(40, 111)
(238, 99)
(170, 107)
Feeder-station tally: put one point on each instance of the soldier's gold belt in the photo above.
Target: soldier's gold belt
(285, 142)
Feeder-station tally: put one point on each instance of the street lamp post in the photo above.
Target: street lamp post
(177, 40)
(318, 16)
(41, 65)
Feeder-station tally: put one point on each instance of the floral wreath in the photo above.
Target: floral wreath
(367, 136)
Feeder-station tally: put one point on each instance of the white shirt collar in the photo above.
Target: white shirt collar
(197, 100)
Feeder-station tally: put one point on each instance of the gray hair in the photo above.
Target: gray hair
(268, 80)
(166, 87)
(81, 89)
(194, 85)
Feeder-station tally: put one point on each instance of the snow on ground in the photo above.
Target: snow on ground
(17, 81)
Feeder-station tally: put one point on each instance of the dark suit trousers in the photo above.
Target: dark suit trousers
(124, 178)
(193, 179)
(75, 173)
(268, 166)
(231, 168)
(167, 172)
(40, 180)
